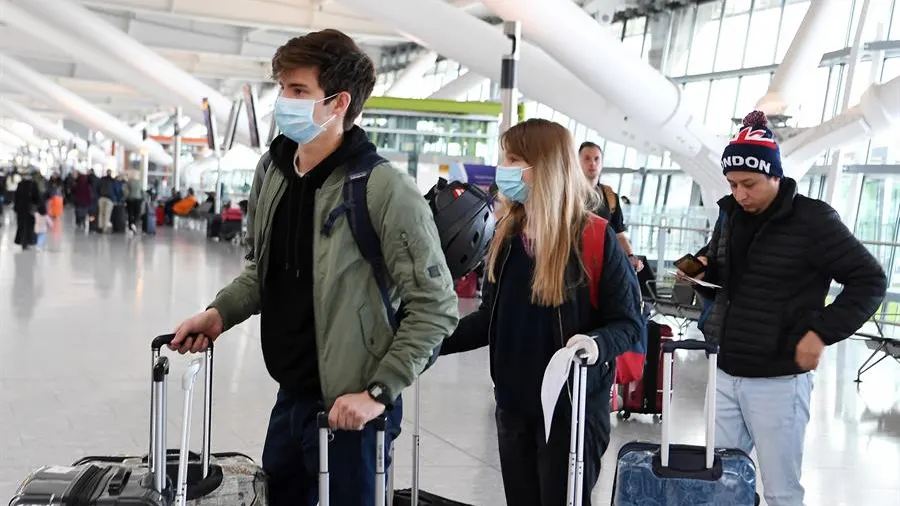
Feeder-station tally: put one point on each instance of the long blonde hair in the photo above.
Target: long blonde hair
(556, 210)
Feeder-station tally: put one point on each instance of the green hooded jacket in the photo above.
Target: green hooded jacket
(355, 342)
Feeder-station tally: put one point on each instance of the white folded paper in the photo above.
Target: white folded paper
(695, 280)
(555, 376)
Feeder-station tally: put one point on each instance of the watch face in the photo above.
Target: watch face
(375, 391)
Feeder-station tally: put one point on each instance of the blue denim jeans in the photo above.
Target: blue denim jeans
(291, 455)
(771, 415)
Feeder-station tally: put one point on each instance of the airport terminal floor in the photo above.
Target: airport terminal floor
(77, 318)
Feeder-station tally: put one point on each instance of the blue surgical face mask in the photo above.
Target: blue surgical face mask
(294, 117)
(510, 184)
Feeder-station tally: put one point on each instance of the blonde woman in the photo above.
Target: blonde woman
(546, 253)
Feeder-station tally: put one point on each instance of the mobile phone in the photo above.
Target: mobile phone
(690, 265)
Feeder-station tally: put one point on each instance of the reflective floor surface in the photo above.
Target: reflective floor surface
(76, 319)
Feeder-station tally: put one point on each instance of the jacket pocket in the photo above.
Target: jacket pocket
(376, 346)
(428, 272)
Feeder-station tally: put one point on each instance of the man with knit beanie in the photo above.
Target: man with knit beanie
(775, 254)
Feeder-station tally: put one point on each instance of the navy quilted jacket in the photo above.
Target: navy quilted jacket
(617, 326)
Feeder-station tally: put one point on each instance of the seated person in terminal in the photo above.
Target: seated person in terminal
(184, 206)
(326, 337)
(537, 300)
(590, 156)
(775, 254)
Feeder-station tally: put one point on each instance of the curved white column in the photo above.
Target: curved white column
(452, 32)
(49, 128)
(130, 53)
(802, 58)
(877, 111)
(411, 75)
(18, 129)
(92, 56)
(17, 75)
(645, 95)
(459, 87)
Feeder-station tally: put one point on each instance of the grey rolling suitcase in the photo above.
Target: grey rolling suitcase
(215, 479)
(102, 483)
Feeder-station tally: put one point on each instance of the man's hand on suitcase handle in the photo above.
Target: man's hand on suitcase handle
(354, 411)
(195, 333)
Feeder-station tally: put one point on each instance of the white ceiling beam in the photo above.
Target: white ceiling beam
(29, 81)
(297, 16)
(172, 33)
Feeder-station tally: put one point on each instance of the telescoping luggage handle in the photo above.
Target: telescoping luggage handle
(157, 455)
(380, 424)
(668, 350)
(187, 385)
(575, 485)
(157, 408)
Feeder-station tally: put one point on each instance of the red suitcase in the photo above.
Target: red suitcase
(637, 398)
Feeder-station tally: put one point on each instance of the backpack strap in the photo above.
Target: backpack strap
(610, 197)
(355, 206)
(592, 250)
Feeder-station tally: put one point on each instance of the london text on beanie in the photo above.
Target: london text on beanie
(753, 148)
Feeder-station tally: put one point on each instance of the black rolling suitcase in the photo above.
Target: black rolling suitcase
(119, 219)
(414, 496)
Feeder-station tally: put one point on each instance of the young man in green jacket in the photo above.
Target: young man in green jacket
(326, 337)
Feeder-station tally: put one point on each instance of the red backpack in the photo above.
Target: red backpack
(629, 365)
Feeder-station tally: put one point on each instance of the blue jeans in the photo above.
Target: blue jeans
(770, 414)
(291, 455)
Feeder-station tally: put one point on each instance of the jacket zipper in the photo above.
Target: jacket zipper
(496, 294)
(562, 343)
(728, 293)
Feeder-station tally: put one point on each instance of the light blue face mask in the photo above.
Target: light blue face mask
(509, 182)
(294, 117)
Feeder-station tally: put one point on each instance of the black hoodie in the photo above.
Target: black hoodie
(287, 317)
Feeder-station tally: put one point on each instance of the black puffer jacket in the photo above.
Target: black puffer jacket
(789, 268)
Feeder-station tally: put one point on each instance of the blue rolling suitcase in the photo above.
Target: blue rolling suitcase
(651, 474)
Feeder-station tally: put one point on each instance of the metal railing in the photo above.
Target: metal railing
(666, 241)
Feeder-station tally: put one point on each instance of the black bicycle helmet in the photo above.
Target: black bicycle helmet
(465, 223)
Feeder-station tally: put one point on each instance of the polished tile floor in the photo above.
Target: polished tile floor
(76, 319)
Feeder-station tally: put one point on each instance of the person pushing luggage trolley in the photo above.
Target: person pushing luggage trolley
(556, 277)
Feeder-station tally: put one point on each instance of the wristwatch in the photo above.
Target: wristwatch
(378, 393)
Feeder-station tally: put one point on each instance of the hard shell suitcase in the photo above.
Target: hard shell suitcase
(105, 484)
(684, 475)
(89, 485)
(212, 478)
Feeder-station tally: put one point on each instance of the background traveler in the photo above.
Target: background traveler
(590, 157)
